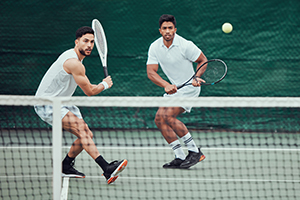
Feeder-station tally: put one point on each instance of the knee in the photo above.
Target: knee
(83, 134)
(165, 119)
(88, 131)
(159, 118)
(84, 131)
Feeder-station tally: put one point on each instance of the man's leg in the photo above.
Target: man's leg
(84, 140)
(75, 149)
(79, 128)
(167, 122)
(170, 127)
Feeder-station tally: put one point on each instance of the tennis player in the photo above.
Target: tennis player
(175, 55)
(62, 79)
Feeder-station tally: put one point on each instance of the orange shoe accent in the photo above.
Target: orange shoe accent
(114, 175)
(122, 167)
(112, 179)
(202, 158)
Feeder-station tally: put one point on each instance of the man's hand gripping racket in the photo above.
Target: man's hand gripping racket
(101, 45)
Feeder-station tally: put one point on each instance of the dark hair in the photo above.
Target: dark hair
(167, 18)
(84, 30)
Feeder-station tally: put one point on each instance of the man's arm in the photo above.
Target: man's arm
(200, 60)
(155, 78)
(77, 69)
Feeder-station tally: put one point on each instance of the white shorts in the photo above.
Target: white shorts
(186, 91)
(45, 112)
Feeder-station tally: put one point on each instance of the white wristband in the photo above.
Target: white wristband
(104, 84)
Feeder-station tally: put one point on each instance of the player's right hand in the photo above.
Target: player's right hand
(197, 81)
(108, 80)
(171, 89)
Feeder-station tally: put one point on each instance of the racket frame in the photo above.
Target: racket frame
(102, 55)
(194, 76)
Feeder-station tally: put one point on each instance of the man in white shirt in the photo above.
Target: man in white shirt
(62, 79)
(175, 55)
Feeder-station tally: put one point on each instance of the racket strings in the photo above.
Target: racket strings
(214, 72)
(99, 39)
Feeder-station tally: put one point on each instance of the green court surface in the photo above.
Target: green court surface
(237, 166)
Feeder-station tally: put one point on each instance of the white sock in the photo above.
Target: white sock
(176, 146)
(188, 140)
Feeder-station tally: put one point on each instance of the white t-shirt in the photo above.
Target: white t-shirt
(175, 61)
(56, 81)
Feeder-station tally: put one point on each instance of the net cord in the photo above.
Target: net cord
(114, 101)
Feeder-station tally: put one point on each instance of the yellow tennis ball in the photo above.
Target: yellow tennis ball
(227, 28)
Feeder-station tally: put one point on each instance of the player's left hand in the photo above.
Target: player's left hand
(197, 81)
(171, 89)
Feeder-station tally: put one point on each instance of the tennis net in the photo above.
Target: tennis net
(251, 146)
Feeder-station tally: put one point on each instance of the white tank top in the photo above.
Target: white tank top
(56, 81)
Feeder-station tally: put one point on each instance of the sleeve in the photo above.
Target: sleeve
(152, 59)
(192, 52)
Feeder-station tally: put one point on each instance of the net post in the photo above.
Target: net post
(56, 148)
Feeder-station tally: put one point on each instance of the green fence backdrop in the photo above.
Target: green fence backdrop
(262, 52)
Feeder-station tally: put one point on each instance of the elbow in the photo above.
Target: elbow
(89, 93)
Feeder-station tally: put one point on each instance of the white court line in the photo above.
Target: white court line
(200, 179)
(26, 176)
(167, 179)
(156, 148)
(65, 188)
(66, 182)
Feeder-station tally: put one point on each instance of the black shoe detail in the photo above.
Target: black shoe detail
(70, 171)
(192, 159)
(173, 164)
(113, 169)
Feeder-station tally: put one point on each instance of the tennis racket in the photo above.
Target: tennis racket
(215, 72)
(100, 41)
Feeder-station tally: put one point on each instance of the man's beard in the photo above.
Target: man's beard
(171, 37)
(83, 53)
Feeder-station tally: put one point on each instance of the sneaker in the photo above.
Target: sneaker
(192, 159)
(173, 164)
(70, 171)
(113, 169)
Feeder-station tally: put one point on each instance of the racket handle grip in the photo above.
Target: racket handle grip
(105, 71)
(180, 87)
